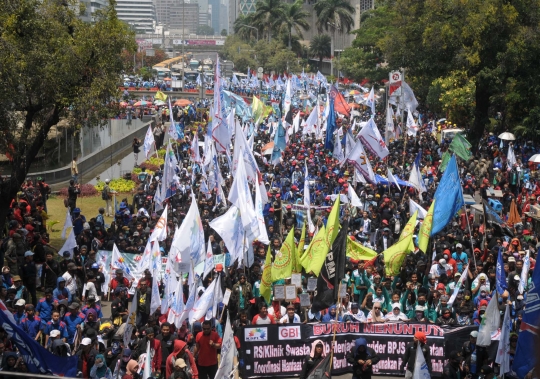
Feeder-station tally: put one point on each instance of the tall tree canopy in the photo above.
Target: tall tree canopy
(53, 65)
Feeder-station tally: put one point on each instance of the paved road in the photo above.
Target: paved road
(106, 309)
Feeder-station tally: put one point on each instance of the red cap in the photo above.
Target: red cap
(289, 206)
(219, 267)
(271, 210)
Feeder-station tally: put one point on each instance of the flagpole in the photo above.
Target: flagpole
(335, 332)
(467, 218)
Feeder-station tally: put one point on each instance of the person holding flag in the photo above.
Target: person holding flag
(409, 358)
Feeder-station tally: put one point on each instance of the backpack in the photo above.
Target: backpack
(105, 193)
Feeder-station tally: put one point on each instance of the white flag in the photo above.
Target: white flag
(372, 139)
(203, 303)
(503, 351)
(490, 322)
(70, 244)
(177, 306)
(338, 150)
(421, 370)
(190, 301)
(415, 179)
(312, 121)
(189, 246)
(263, 234)
(67, 224)
(287, 99)
(412, 126)
(129, 327)
(408, 98)
(392, 178)
(230, 229)
(355, 200)
(370, 101)
(209, 262)
(511, 157)
(240, 196)
(524, 273)
(414, 206)
(360, 161)
(228, 352)
(307, 200)
(296, 122)
(117, 262)
(160, 230)
(242, 151)
(390, 129)
(156, 301)
(457, 287)
(220, 132)
(218, 295)
(147, 371)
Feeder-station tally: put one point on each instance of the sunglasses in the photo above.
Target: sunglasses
(376, 308)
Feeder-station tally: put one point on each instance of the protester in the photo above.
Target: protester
(362, 358)
(314, 359)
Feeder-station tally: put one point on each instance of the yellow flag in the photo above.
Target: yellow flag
(257, 109)
(266, 280)
(300, 250)
(332, 224)
(267, 110)
(160, 96)
(408, 230)
(314, 257)
(359, 252)
(425, 229)
(283, 261)
(395, 254)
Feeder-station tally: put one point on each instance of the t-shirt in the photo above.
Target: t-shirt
(207, 353)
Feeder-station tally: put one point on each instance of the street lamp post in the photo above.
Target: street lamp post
(252, 27)
(332, 41)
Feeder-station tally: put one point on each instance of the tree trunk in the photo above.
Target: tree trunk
(24, 155)
(481, 115)
(320, 63)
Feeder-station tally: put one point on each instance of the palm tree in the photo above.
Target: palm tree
(243, 27)
(294, 17)
(320, 47)
(267, 13)
(334, 15)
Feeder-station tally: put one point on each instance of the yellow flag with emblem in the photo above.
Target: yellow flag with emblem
(395, 254)
(257, 109)
(408, 230)
(359, 252)
(316, 249)
(332, 224)
(425, 229)
(160, 96)
(300, 250)
(284, 260)
(266, 280)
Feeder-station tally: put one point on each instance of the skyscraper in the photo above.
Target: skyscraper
(138, 13)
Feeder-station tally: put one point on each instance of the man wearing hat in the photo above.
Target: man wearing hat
(179, 370)
(29, 274)
(20, 289)
(409, 358)
(86, 355)
(74, 320)
(20, 311)
(56, 324)
(119, 280)
(290, 317)
(453, 370)
(384, 241)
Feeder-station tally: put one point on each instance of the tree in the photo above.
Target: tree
(243, 27)
(267, 13)
(320, 47)
(334, 15)
(53, 65)
(223, 32)
(205, 30)
(294, 18)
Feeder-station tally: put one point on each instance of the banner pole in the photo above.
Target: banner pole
(335, 332)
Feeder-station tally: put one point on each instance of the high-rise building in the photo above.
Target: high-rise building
(238, 8)
(140, 14)
(174, 14)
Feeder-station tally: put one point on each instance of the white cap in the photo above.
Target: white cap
(55, 333)
(516, 277)
(474, 334)
(107, 180)
(20, 302)
(459, 245)
(419, 308)
(442, 261)
(396, 305)
(483, 289)
(86, 341)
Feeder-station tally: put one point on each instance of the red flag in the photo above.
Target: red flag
(340, 105)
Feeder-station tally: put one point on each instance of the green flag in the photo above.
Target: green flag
(266, 280)
(359, 252)
(395, 254)
(460, 146)
(284, 259)
(444, 162)
(425, 229)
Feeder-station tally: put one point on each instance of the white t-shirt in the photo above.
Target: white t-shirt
(285, 319)
(90, 289)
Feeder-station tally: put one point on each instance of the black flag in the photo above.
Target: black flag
(332, 272)
(322, 370)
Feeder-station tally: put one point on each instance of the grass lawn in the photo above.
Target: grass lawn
(57, 213)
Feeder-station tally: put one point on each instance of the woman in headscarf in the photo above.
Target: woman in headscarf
(119, 366)
(99, 369)
(91, 320)
(132, 370)
(332, 315)
(314, 358)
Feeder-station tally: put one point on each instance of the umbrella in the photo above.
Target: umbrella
(182, 102)
(159, 102)
(513, 215)
(507, 136)
(123, 104)
(535, 158)
(141, 103)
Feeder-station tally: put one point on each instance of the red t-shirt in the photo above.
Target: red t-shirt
(207, 353)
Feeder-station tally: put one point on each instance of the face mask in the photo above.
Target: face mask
(421, 302)
(99, 364)
(126, 359)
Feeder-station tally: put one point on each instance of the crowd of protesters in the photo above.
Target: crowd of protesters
(67, 317)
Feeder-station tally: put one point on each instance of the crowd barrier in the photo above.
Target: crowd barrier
(280, 350)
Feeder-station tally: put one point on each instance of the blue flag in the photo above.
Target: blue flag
(279, 143)
(500, 275)
(448, 197)
(38, 359)
(330, 126)
(526, 356)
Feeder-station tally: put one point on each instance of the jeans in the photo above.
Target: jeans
(207, 372)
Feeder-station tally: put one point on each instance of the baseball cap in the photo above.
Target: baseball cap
(459, 245)
(511, 259)
(74, 306)
(28, 254)
(180, 363)
(85, 341)
(95, 265)
(483, 289)
(419, 308)
(219, 267)
(474, 334)
(442, 261)
(396, 305)
(56, 333)
(20, 303)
